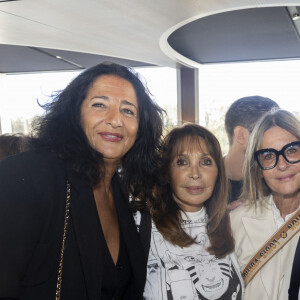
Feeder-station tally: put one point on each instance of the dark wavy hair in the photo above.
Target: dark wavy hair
(166, 212)
(60, 130)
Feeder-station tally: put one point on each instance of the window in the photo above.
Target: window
(222, 84)
(19, 95)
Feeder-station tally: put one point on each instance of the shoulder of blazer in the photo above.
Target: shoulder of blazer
(237, 214)
(33, 171)
(31, 162)
(259, 211)
(35, 185)
(33, 192)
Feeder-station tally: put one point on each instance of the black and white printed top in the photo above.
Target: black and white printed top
(190, 273)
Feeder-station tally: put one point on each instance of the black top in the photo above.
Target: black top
(32, 208)
(117, 277)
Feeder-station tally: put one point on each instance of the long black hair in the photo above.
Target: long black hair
(60, 130)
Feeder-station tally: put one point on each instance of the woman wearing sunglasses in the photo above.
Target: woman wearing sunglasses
(266, 226)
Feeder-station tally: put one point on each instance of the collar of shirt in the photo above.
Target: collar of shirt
(195, 216)
(279, 221)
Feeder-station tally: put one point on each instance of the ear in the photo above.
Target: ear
(241, 135)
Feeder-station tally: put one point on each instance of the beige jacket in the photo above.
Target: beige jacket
(252, 227)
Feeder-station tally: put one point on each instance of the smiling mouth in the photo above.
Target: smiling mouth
(285, 178)
(111, 137)
(213, 287)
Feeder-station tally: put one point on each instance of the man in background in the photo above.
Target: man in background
(240, 120)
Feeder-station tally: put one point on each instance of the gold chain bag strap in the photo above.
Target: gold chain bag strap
(60, 268)
(279, 239)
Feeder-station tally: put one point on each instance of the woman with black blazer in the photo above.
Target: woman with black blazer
(66, 231)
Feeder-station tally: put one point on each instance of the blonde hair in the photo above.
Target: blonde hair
(254, 186)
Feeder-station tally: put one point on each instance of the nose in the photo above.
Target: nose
(114, 117)
(282, 163)
(194, 172)
(212, 279)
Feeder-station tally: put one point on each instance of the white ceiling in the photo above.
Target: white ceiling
(130, 29)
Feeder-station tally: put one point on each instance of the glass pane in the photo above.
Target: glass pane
(222, 84)
(19, 95)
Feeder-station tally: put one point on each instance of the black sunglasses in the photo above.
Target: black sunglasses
(268, 158)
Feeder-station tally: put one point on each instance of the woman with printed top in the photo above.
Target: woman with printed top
(271, 196)
(191, 248)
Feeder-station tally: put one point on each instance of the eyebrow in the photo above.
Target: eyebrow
(126, 102)
(101, 97)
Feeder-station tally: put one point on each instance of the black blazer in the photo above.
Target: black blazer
(32, 207)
